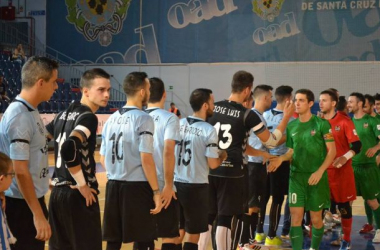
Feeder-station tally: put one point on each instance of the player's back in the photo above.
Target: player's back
(166, 126)
(191, 161)
(233, 122)
(255, 141)
(79, 117)
(122, 143)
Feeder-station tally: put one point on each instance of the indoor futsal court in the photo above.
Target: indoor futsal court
(359, 241)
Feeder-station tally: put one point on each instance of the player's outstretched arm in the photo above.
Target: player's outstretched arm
(25, 183)
(169, 163)
(317, 175)
(276, 162)
(151, 175)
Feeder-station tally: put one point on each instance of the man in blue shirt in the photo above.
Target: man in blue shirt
(23, 138)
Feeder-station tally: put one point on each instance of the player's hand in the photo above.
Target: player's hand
(371, 152)
(2, 198)
(87, 193)
(223, 155)
(289, 109)
(167, 195)
(266, 157)
(42, 227)
(339, 162)
(274, 164)
(157, 203)
(315, 177)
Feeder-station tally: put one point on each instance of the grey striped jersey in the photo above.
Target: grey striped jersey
(126, 134)
(166, 127)
(255, 142)
(198, 141)
(273, 118)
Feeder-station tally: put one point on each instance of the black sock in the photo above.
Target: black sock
(190, 246)
(146, 245)
(169, 246)
(113, 245)
(245, 232)
(274, 217)
(253, 223)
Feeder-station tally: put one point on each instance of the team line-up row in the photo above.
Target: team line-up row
(177, 179)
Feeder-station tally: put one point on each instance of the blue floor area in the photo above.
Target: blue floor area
(358, 241)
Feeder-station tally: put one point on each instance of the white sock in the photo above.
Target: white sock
(204, 239)
(223, 238)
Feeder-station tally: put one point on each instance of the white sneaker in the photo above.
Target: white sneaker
(376, 238)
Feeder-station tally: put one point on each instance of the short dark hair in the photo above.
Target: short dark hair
(371, 99)
(283, 92)
(309, 94)
(172, 103)
(261, 89)
(241, 80)
(359, 96)
(333, 90)
(157, 89)
(88, 76)
(134, 82)
(377, 97)
(342, 103)
(5, 162)
(198, 97)
(37, 67)
(331, 93)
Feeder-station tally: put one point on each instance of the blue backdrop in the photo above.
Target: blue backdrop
(189, 31)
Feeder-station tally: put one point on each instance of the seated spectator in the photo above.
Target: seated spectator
(19, 54)
(3, 92)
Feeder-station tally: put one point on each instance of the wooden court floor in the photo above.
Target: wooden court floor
(358, 208)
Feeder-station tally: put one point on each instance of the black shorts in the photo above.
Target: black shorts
(74, 225)
(279, 180)
(168, 221)
(21, 224)
(226, 195)
(258, 181)
(127, 215)
(193, 201)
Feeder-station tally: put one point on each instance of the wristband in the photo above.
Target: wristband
(156, 191)
(79, 178)
(348, 155)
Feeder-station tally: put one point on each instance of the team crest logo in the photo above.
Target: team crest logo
(267, 9)
(337, 128)
(312, 132)
(97, 19)
(365, 125)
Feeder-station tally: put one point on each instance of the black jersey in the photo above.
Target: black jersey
(80, 118)
(233, 123)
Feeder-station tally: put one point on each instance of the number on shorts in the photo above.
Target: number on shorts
(293, 198)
